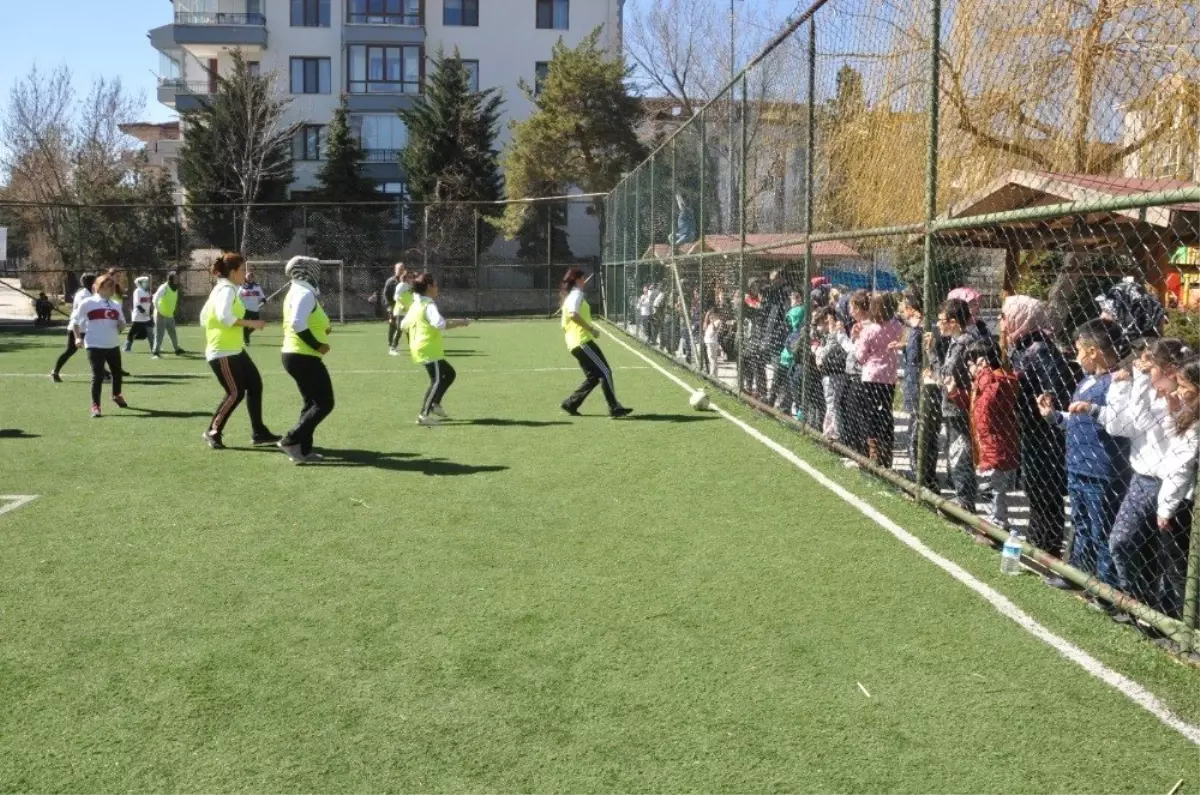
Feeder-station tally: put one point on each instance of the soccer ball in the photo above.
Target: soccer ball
(699, 400)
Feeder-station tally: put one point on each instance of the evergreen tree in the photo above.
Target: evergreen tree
(531, 237)
(238, 153)
(341, 226)
(581, 132)
(451, 157)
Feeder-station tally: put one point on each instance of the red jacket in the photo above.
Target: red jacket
(994, 420)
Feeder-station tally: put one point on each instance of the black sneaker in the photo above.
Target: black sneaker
(180, 352)
(574, 412)
(1062, 584)
(108, 378)
(56, 378)
(214, 440)
(265, 438)
(620, 411)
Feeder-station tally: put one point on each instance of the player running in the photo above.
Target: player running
(141, 313)
(581, 342)
(306, 331)
(223, 318)
(86, 282)
(97, 323)
(403, 299)
(253, 297)
(425, 326)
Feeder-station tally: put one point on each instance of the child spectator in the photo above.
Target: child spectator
(952, 373)
(1134, 411)
(830, 359)
(853, 411)
(993, 406)
(875, 350)
(712, 338)
(1177, 496)
(42, 307)
(910, 347)
(785, 388)
(1097, 464)
(645, 308)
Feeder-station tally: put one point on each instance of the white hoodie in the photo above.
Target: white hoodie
(141, 307)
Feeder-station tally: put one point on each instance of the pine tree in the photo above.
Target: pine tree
(236, 153)
(341, 226)
(531, 237)
(581, 133)
(451, 157)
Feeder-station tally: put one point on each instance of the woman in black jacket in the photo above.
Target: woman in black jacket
(1025, 329)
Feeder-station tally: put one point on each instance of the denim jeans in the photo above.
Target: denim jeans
(960, 462)
(1094, 503)
(1134, 539)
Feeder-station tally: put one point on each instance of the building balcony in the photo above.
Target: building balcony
(381, 155)
(212, 28)
(182, 94)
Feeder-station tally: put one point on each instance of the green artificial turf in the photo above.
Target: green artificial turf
(519, 601)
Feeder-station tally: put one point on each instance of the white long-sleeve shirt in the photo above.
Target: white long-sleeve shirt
(1135, 412)
(81, 295)
(140, 306)
(645, 305)
(432, 314)
(305, 304)
(1177, 470)
(100, 321)
(253, 296)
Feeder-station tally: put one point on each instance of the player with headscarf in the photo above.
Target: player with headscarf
(306, 330)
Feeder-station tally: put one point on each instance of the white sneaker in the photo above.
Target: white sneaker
(438, 410)
(393, 352)
(428, 421)
(313, 458)
(155, 356)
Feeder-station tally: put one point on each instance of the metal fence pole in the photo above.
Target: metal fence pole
(304, 226)
(475, 254)
(809, 210)
(341, 291)
(550, 258)
(741, 311)
(425, 240)
(178, 238)
(927, 435)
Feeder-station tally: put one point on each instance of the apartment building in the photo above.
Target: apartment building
(376, 52)
(1175, 153)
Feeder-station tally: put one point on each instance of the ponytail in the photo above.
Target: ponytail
(572, 275)
(226, 264)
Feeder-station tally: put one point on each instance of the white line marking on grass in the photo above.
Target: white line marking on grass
(1129, 688)
(863, 689)
(15, 501)
(204, 375)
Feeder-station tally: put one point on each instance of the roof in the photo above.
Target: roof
(731, 244)
(1021, 189)
(151, 131)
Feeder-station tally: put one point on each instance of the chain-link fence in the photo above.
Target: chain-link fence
(959, 243)
(483, 269)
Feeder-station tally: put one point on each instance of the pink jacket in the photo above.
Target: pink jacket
(874, 352)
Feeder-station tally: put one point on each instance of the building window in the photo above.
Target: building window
(460, 13)
(541, 70)
(310, 76)
(382, 135)
(472, 68)
(385, 70)
(309, 143)
(384, 12)
(310, 13)
(254, 68)
(553, 14)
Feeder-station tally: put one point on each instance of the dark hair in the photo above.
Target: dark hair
(88, 280)
(912, 297)
(860, 300)
(882, 307)
(958, 311)
(824, 313)
(985, 349)
(1189, 371)
(1106, 335)
(1168, 351)
(422, 283)
(226, 264)
(569, 278)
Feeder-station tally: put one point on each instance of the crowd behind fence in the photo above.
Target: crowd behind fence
(482, 268)
(963, 259)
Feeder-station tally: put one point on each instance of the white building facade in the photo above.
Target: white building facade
(375, 52)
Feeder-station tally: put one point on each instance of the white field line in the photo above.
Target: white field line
(1126, 686)
(398, 371)
(15, 501)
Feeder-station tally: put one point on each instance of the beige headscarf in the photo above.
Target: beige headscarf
(1023, 316)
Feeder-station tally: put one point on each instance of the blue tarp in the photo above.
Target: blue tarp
(844, 280)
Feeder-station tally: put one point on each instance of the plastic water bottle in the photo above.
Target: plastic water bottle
(1010, 556)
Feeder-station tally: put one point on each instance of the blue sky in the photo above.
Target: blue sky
(93, 38)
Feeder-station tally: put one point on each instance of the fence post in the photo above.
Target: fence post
(1191, 595)
(741, 308)
(701, 353)
(342, 291)
(475, 255)
(927, 435)
(809, 212)
(236, 247)
(425, 240)
(304, 226)
(178, 238)
(550, 258)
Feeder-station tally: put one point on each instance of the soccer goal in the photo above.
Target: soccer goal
(269, 273)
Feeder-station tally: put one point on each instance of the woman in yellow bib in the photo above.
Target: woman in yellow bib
(424, 325)
(581, 342)
(306, 331)
(223, 318)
